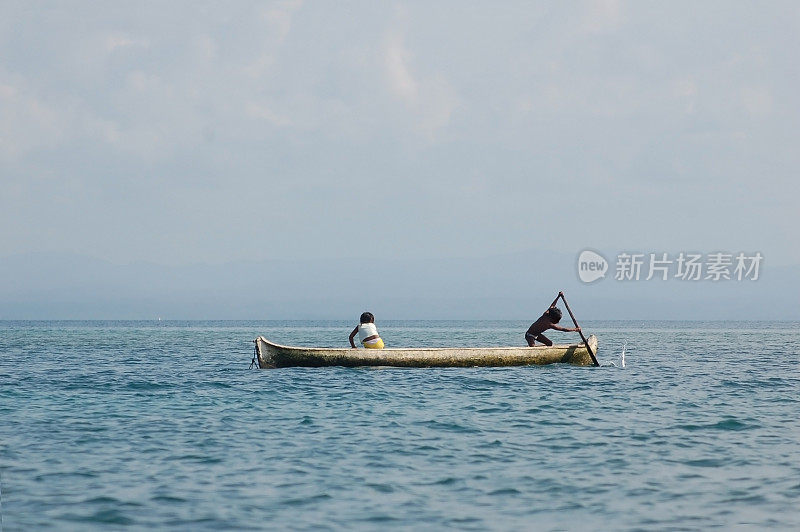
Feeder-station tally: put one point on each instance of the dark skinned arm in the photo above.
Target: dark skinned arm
(564, 329)
(353, 335)
(559, 327)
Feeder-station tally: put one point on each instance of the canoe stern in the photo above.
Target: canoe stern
(264, 353)
(578, 355)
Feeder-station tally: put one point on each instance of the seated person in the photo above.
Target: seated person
(548, 320)
(367, 333)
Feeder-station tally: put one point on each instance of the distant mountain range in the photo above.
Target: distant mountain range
(512, 286)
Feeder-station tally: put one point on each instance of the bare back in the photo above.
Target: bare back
(540, 325)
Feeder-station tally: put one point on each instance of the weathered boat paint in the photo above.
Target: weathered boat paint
(271, 355)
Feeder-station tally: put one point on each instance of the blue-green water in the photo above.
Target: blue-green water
(143, 425)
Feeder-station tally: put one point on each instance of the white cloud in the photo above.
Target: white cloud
(262, 112)
(756, 100)
(684, 91)
(141, 81)
(401, 83)
(105, 130)
(602, 16)
(207, 48)
(277, 22)
(279, 18)
(518, 94)
(116, 41)
(432, 100)
(26, 121)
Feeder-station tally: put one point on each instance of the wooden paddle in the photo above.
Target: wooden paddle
(585, 341)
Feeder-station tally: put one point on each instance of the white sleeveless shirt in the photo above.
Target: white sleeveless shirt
(365, 330)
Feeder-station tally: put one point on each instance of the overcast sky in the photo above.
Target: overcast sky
(174, 133)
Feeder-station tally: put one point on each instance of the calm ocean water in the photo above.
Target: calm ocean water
(141, 425)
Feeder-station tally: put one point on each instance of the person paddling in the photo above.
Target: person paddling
(548, 320)
(367, 333)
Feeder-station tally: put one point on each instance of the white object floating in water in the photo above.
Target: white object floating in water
(623, 354)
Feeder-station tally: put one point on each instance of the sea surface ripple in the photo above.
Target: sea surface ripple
(141, 425)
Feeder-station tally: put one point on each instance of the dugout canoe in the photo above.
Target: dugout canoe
(271, 355)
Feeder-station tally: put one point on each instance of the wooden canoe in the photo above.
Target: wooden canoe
(272, 355)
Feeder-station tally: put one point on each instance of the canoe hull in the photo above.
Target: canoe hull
(272, 355)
